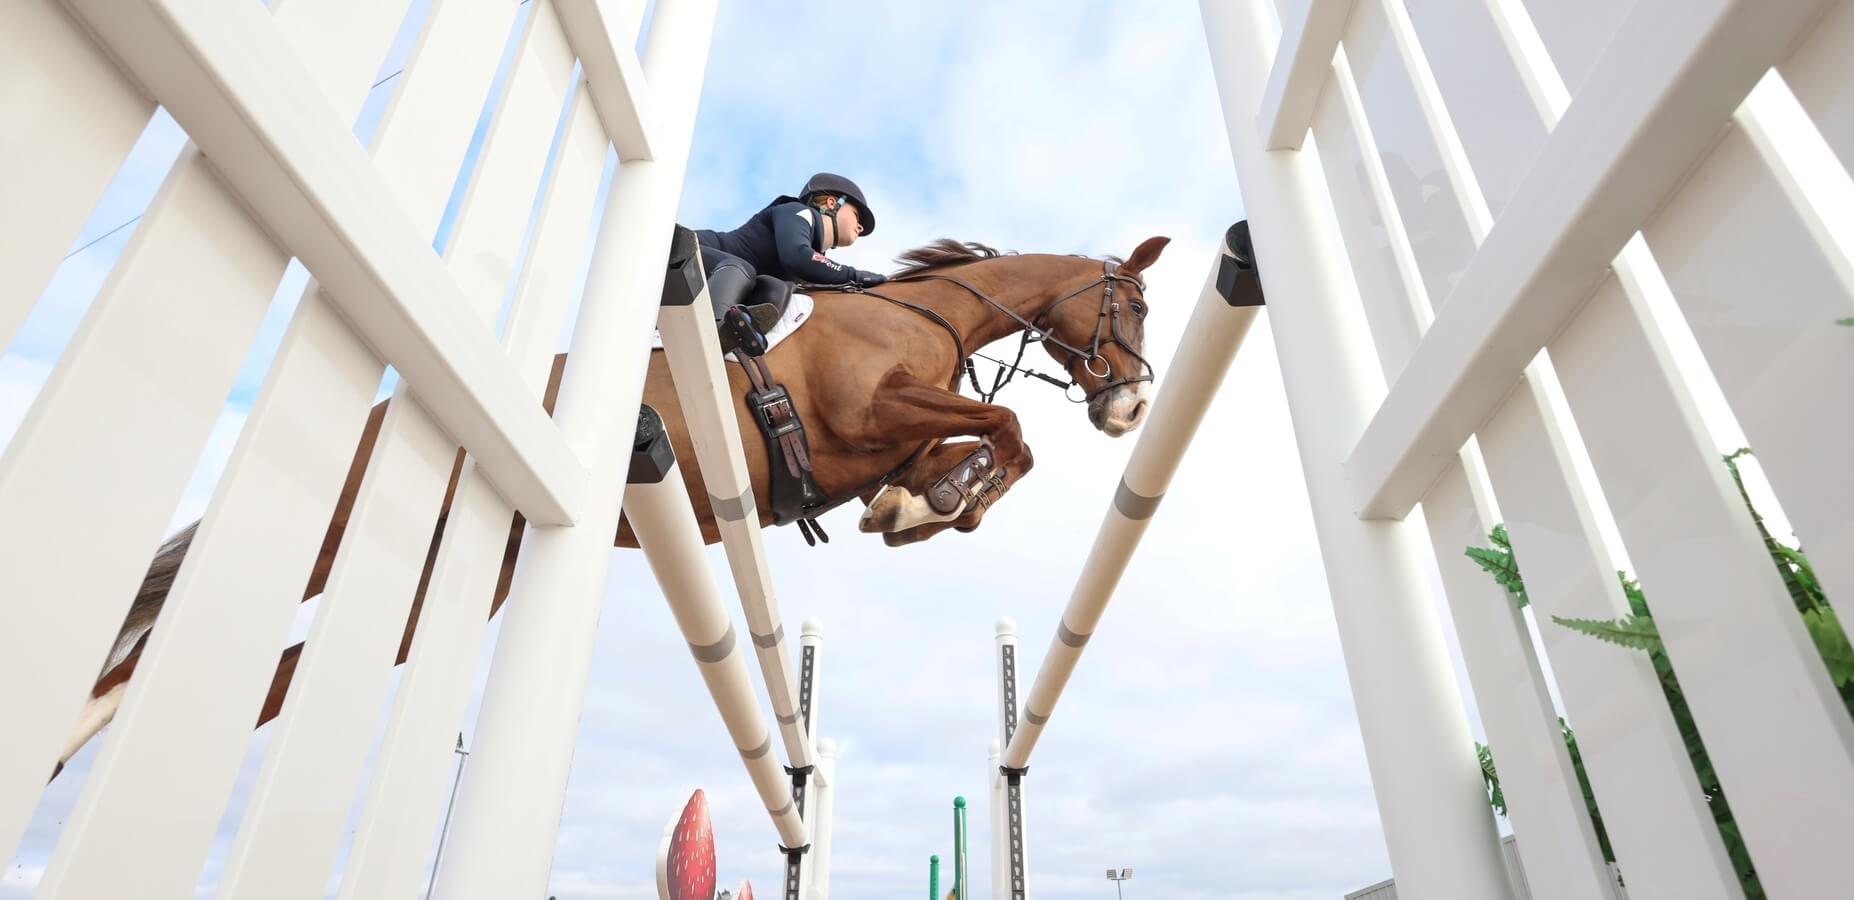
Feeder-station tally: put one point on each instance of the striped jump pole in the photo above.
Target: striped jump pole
(686, 323)
(661, 515)
(1226, 308)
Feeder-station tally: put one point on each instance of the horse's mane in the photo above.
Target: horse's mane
(945, 252)
(948, 252)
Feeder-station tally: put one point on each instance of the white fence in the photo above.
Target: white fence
(88, 483)
(1441, 189)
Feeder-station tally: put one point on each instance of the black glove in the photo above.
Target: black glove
(869, 279)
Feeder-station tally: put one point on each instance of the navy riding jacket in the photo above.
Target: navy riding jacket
(782, 240)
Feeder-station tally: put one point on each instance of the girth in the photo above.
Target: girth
(794, 492)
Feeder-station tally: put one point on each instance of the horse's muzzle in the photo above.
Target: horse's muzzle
(1120, 410)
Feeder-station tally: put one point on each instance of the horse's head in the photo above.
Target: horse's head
(1097, 331)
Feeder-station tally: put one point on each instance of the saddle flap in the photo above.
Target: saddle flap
(772, 291)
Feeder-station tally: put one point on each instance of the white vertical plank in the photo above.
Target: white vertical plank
(201, 690)
(1575, 32)
(1441, 210)
(1756, 251)
(111, 440)
(156, 794)
(1544, 799)
(94, 472)
(288, 839)
(404, 797)
(1657, 824)
(1818, 73)
(1778, 734)
(1437, 826)
(83, 116)
(545, 290)
(1657, 820)
(1471, 56)
(304, 793)
(508, 811)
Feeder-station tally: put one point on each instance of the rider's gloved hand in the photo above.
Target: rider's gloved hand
(869, 279)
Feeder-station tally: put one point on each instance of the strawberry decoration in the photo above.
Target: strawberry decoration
(686, 860)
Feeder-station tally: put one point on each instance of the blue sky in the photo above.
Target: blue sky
(1207, 740)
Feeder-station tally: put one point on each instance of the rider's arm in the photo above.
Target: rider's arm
(793, 239)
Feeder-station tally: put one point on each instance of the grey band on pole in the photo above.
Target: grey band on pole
(1070, 638)
(782, 810)
(1133, 504)
(786, 720)
(769, 641)
(764, 748)
(717, 651)
(1034, 719)
(733, 509)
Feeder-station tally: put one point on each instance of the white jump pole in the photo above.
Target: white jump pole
(1000, 860)
(1442, 842)
(508, 810)
(708, 406)
(660, 514)
(1226, 307)
(810, 642)
(818, 869)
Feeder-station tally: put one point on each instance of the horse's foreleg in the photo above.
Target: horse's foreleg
(907, 409)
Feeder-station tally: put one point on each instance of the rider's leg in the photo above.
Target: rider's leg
(738, 285)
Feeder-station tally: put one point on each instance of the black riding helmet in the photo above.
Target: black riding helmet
(827, 183)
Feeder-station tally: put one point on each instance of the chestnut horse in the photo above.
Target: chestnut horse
(873, 374)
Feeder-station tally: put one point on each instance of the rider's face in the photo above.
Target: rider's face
(849, 224)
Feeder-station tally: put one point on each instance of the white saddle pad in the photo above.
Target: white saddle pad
(797, 312)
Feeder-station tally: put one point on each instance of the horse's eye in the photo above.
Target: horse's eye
(1139, 309)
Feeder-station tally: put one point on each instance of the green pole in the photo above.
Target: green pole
(933, 877)
(959, 848)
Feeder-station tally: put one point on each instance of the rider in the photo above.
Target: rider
(787, 241)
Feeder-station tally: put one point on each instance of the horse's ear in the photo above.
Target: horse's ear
(1145, 254)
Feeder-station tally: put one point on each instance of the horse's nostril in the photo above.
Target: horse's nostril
(1139, 412)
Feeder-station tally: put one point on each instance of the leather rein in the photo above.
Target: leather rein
(1107, 330)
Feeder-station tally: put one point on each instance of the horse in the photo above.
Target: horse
(873, 375)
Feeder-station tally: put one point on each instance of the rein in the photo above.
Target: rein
(1106, 331)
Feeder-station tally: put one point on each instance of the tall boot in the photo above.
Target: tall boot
(727, 288)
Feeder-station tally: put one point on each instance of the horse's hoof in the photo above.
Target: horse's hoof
(898, 509)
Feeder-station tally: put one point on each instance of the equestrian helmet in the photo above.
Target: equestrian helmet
(827, 183)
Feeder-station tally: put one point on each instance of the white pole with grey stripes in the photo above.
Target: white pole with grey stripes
(659, 511)
(686, 323)
(1226, 308)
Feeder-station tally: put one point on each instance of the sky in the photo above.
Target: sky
(1207, 740)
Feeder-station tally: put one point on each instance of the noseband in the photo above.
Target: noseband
(1107, 330)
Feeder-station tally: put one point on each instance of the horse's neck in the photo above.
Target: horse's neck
(979, 322)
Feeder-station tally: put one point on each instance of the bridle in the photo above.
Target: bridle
(1107, 331)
